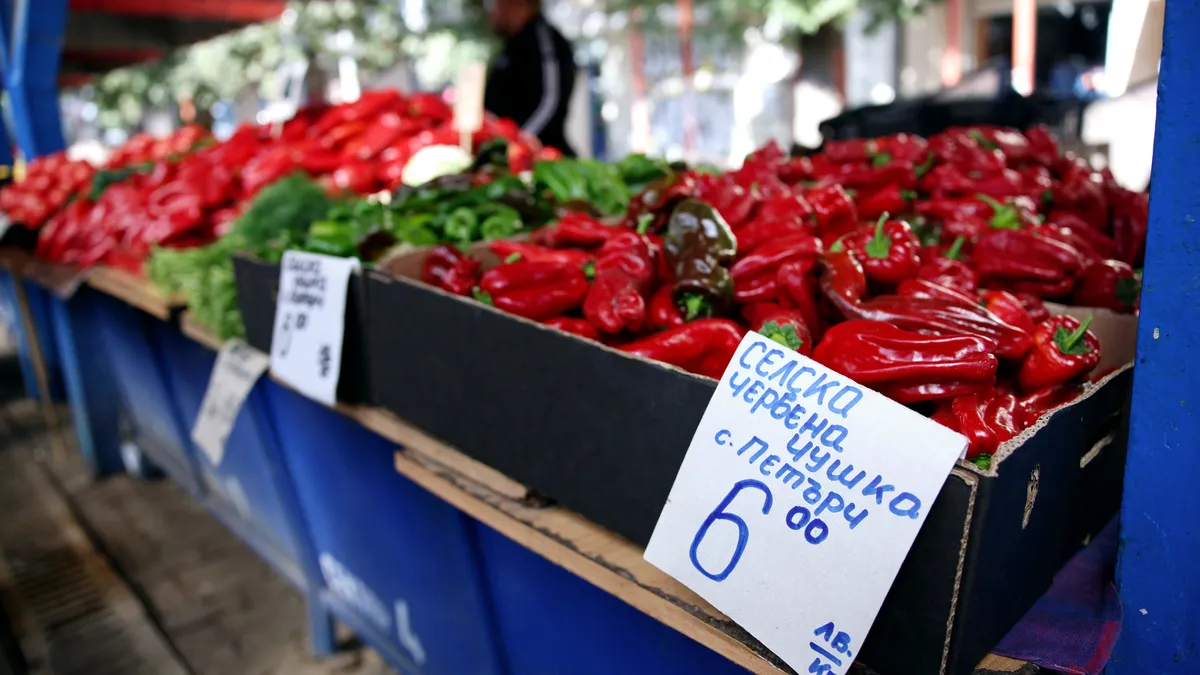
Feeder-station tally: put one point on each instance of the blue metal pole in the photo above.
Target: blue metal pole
(1160, 555)
(32, 74)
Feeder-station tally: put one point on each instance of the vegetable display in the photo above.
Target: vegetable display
(918, 267)
(186, 190)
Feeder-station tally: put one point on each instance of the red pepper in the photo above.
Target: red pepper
(1043, 148)
(613, 303)
(663, 313)
(173, 209)
(451, 270)
(934, 317)
(625, 273)
(786, 206)
(266, 168)
(505, 249)
(698, 346)
(1008, 308)
(872, 176)
(428, 105)
(1063, 349)
(755, 276)
(1081, 190)
(734, 202)
(575, 230)
(949, 180)
(573, 326)
(355, 177)
(884, 149)
(1110, 284)
(889, 252)
(1017, 257)
(1034, 305)
(1038, 182)
(1042, 401)
(1103, 245)
(987, 419)
(635, 255)
(969, 413)
(1130, 217)
(534, 290)
(889, 199)
(797, 288)
(908, 367)
(842, 276)
(960, 151)
(947, 270)
(785, 326)
(922, 288)
(834, 210)
(761, 230)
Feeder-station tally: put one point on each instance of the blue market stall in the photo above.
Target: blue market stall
(445, 566)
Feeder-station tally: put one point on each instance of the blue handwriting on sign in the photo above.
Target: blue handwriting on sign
(826, 659)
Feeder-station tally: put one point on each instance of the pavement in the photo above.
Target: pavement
(123, 576)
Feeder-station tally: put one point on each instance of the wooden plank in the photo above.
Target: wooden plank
(391, 427)
(136, 291)
(195, 331)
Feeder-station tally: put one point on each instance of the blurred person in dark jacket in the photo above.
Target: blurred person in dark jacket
(530, 81)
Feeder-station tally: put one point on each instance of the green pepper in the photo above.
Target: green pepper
(461, 225)
(698, 243)
(332, 237)
(500, 225)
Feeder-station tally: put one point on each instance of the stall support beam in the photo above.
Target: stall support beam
(90, 387)
(31, 74)
(1158, 584)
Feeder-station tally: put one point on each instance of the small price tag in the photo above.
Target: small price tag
(468, 99)
(798, 500)
(310, 322)
(237, 368)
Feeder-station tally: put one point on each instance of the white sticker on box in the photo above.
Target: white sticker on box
(310, 323)
(798, 500)
(237, 368)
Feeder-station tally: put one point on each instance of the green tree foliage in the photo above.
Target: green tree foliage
(375, 33)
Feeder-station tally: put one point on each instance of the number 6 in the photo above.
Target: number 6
(743, 531)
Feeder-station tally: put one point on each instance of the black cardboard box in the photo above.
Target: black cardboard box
(257, 288)
(604, 434)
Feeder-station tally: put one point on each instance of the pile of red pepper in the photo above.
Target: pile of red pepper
(953, 326)
(1028, 218)
(186, 190)
(48, 183)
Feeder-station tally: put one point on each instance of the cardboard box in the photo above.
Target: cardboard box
(604, 433)
(257, 284)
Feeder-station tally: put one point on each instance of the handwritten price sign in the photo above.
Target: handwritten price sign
(237, 368)
(798, 499)
(310, 322)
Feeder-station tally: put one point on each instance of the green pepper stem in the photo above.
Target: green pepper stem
(955, 250)
(880, 246)
(1077, 335)
(695, 306)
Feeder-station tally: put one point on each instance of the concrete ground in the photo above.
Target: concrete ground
(123, 576)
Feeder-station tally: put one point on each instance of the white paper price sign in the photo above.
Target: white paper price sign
(798, 499)
(310, 322)
(237, 368)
